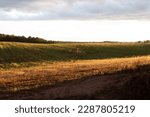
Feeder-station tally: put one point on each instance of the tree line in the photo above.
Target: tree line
(13, 38)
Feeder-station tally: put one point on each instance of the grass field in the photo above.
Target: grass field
(23, 54)
(45, 68)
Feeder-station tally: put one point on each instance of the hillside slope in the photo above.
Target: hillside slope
(125, 83)
(14, 54)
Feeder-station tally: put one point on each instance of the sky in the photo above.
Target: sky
(77, 20)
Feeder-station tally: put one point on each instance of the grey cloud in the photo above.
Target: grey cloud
(74, 9)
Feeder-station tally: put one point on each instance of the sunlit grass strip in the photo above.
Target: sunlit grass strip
(50, 74)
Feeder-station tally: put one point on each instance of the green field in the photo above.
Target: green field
(14, 54)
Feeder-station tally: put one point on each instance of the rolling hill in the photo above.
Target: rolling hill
(13, 54)
(74, 70)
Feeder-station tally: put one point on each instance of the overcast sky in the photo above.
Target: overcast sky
(74, 9)
(77, 20)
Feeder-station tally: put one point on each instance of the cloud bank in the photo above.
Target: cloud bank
(74, 9)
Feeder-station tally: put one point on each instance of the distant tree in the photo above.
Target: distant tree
(147, 41)
(139, 41)
(13, 38)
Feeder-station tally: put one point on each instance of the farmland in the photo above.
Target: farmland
(14, 54)
(73, 70)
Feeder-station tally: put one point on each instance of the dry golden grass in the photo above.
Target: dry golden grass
(47, 75)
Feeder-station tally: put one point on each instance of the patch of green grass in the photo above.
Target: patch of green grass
(14, 54)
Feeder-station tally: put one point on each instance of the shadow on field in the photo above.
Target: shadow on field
(137, 86)
(125, 85)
